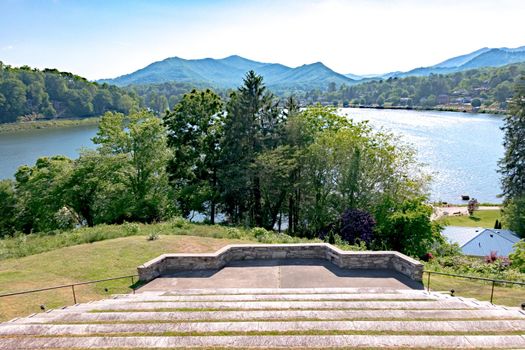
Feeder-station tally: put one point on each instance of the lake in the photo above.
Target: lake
(461, 150)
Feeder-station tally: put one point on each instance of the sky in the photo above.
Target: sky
(107, 38)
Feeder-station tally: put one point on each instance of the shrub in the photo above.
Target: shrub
(356, 225)
(179, 222)
(131, 228)
(65, 219)
(518, 257)
(259, 232)
(234, 233)
(153, 236)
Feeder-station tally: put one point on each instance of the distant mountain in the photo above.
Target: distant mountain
(485, 57)
(228, 73)
(460, 60)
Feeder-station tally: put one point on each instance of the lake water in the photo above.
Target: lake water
(461, 150)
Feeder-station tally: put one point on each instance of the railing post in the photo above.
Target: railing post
(428, 282)
(492, 292)
(74, 296)
(132, 283)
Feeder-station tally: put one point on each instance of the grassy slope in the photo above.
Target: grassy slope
(481, 218)
(85, 262)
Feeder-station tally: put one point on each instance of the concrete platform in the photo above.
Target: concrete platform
(286, 273)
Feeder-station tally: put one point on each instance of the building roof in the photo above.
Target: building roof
(481, 241)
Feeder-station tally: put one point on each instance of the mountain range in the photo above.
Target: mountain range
(485, 57)
(228, 72)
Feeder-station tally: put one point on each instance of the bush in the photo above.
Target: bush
(131, 228)
(259, 232)
(518, 257)
(233, 233)
(357, 225)
(153, 236)
(179, 222)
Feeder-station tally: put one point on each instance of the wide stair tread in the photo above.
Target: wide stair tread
(272, 318)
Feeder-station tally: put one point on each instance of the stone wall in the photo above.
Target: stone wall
(169, 263)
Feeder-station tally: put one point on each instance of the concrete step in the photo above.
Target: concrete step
(271, 305)
(210, 327)
(62, 317)
(277, 297)
(313, 341)
(225, 291)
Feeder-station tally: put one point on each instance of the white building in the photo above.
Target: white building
(479, 241)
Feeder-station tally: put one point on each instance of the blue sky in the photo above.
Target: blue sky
(101, 39)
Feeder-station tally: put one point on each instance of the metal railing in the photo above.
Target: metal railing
(493, 281)
(72, 286)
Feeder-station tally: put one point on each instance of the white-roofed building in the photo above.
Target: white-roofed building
(479, 241)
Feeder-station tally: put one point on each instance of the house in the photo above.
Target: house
(479, 241)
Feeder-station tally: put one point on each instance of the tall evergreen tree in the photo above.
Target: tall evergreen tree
(253, 124)
(512, 165)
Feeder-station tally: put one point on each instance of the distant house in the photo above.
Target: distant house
(443, 100)
(479, 241)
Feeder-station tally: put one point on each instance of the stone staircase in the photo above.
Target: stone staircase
(272, 318)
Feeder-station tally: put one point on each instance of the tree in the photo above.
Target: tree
(195, 128)
(472, 206)
(253, 125)
(7, 208)
(40, 193)
(356, 225)
(96, 188)
(408, 229)
(517, 258)
(512, 165)
(475, 102)
(141, 140)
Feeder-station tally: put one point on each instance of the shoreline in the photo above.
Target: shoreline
(440, 109)
(47, 124)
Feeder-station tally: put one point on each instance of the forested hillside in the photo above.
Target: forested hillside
(489, 88)
(29, 94)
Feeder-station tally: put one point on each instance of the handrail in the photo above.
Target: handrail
(475, 278)
(72, 285)
(494, 281)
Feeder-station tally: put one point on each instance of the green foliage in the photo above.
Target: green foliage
(512, 165)
(7, 208)
(252, 126)
(178, 222)
(139, 140)
(131, 228)
(194, 131)
(26, 94)
(153, 236)
(491, 87)
(517, 258)
(40, 193)
(408, 229)
(475, 266)
(513, 215)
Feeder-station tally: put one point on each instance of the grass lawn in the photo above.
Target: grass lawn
(503, 295)
(91, 261)
(481, 218)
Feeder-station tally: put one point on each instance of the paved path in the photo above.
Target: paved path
(290, 273)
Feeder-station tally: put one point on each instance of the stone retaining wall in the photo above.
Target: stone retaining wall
(169, 263)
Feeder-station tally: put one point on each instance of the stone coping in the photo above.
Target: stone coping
(169, 263)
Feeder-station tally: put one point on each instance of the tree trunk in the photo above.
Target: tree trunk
(257, 207)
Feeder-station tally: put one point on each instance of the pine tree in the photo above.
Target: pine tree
(512, 165)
